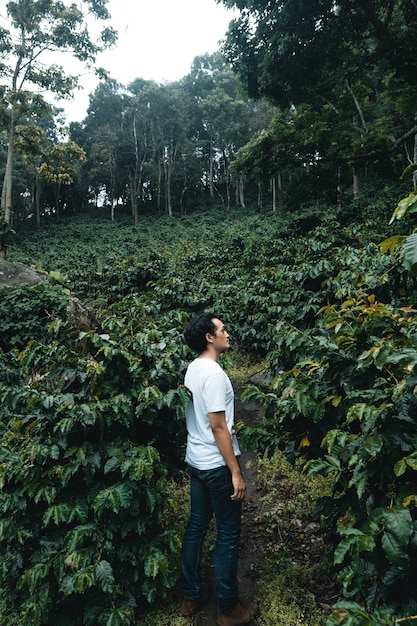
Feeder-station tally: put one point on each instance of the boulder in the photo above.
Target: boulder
(13, 274)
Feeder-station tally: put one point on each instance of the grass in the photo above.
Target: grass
(287, 579)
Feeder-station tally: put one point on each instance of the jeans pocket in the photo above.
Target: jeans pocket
(219, 480)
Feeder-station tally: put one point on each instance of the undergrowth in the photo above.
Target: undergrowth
(295, 556)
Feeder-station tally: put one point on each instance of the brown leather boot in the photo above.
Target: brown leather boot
(189, 607)
(241, 614)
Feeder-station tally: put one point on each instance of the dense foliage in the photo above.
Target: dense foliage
(91, 426)
(343, 75)
(93, 420)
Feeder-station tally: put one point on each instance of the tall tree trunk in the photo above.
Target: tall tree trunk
(112, 188)
(242, 192)
(211, 172)
(57, 198)
(279, 188)
(168, 199)
(134, 198)
(6, 196)
(183, 210)
(339, 188)
(274, 193)
(159, 189)
(136, 178)
(226, 177)
(259, 185)
(356, 185)
(37, 200)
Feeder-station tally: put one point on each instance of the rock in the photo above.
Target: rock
(79, 316)
(261, 380)
(12, 274)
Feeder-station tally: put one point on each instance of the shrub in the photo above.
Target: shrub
(86, 430)
(26, 312)
(346, 402)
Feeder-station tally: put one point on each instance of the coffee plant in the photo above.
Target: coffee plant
(25, 312)
(92, 422)
(91, 427)
(343, 398)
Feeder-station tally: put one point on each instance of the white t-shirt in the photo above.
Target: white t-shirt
(211, 391)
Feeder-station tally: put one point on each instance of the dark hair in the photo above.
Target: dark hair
(195, 333)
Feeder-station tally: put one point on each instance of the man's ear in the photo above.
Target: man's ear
(209, 338)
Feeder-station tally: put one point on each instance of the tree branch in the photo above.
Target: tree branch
(357, 105)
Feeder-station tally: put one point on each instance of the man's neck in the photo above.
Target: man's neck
(210, 353)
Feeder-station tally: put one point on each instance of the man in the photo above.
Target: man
(217, 484)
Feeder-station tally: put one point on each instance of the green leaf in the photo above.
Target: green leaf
(393, 550)
(373, 444)
(406, 205)
(104, 575)
(120, 617)
(46, 493)
(84, 578)
(359, 481)
(410, 252)
(115, 498)
(154, 563)
(409, 171)
(392, 244)
(399, 523)
(407, 461)
(400, 467)
(357, 412)
(412, 461)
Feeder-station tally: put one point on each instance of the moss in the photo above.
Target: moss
(276, 475)
(291, 565)
(169, 615)
(275, 609)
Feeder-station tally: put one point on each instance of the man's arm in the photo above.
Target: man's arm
(224, 443)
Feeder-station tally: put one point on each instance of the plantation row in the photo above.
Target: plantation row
(92, 421)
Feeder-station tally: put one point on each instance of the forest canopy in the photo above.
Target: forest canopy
(310, 101)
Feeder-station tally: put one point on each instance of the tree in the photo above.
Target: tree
(139, 148)
(102, 139)
(356, 59)
(59, 166)
(220, 115)
(40, 30)
(287, 50)
(226, 121)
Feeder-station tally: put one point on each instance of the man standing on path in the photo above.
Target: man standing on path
(217, 484)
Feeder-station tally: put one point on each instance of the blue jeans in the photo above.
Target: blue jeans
(210, 493)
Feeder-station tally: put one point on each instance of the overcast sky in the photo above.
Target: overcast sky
(158, 40)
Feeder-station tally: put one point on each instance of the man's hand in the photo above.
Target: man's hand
(239, 486)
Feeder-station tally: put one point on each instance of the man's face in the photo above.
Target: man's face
(220, 337)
